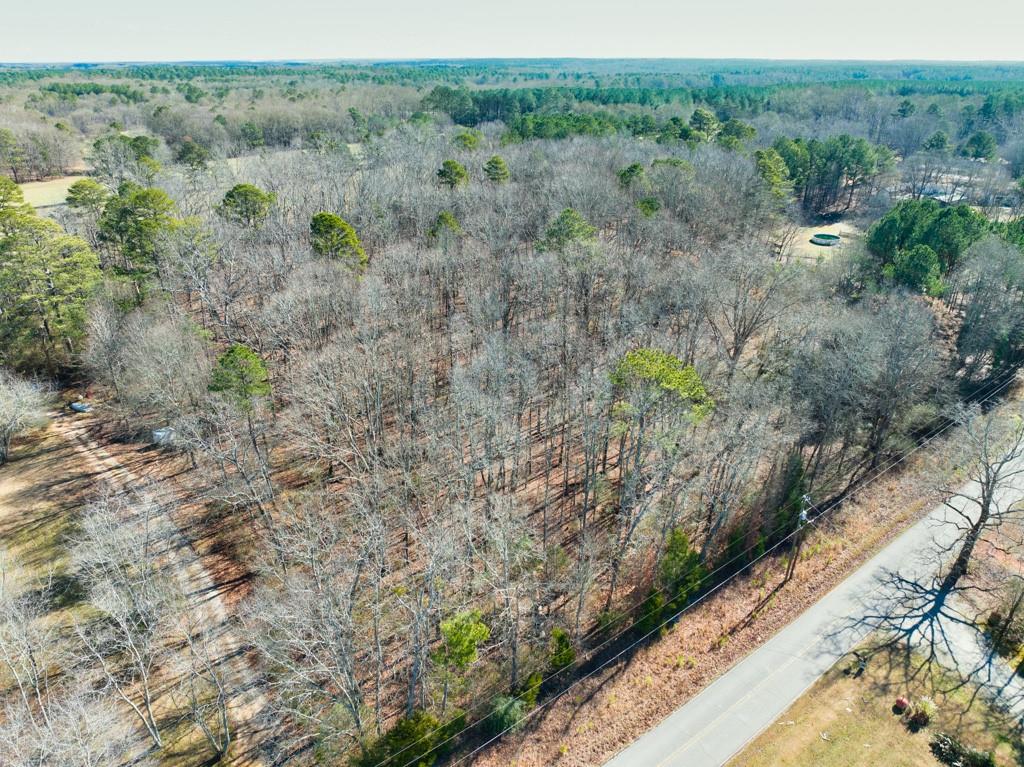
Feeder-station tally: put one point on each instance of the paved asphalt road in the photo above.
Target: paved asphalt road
(713, 726)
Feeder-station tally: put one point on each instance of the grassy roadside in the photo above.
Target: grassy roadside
(845, 721)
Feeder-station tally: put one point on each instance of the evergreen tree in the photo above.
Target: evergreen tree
(247, 204)
(452, 174)
(333, 237)
(496, 170)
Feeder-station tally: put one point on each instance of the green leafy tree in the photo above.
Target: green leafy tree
(568, 229)
(12, 205)
(192, 154)
(456, 102)
(905, 109)
(705, 123)
(461, 637)
(676, 130)
(917, 269)
(252, 135)
(418, 740)
(333, 237)
(88, 196)
(468, 139)
(452, 174)
(680, 576)
(902, 227)
(648, 206)
(247, 204)
(530, 690)
(118, 158)
(938, 142)
(508, 714)
(952, 231)
(797, 155)
(632, 175)
(241, 376)
(680, 573)
(656, 398)
(827, 174)
(650, 613)
(980, 146)
(735, 134)
(496, 170)
(445, 226)
(772, 168)
(47, 279)
(947, 231)
(132, 224)
(661, 374)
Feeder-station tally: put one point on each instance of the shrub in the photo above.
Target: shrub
(418, 740)
(922, 713)
(563, 654)
(949, 750)
(530, 690)
(649, 614)
(608, 622)
(648, 206)
(507, 714)
(681, 572)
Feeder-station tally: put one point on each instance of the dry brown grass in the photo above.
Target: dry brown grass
(803, 249)
(843, 721)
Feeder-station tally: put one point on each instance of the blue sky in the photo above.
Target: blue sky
(150, 30)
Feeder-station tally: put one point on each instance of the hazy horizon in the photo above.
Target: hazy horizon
(400, 30)
(471, 59)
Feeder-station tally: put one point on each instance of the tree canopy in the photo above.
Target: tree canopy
(333, 237)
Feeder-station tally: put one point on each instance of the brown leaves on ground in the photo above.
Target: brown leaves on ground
(604, 713)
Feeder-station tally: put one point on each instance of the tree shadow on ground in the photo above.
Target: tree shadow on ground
(926, 633)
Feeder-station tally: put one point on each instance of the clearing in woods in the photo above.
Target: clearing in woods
(47, 194)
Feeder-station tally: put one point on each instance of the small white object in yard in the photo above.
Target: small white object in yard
(790, 723)
(825, 737)
(163, 436)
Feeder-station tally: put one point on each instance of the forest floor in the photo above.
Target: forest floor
(42, 489)
(605, 712)
(849, 721)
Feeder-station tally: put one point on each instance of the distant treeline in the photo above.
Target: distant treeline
(74, 90)
(644, 74)
(472, 106)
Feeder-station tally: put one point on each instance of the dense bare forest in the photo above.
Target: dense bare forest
(472, 372)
